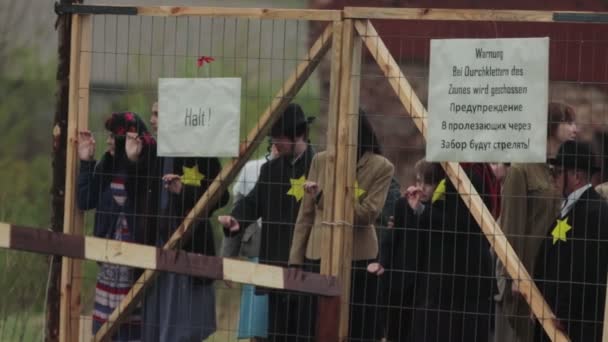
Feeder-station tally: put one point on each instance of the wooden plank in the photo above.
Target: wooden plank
(118, 252)
(469, 194)
(449, 14)
(251, 273)
(253, 13)
(345, 160)
(328, 317)
(86, 328)
(39, 240)
(84, 79)
(84, 75)
(71, 270)
(330, 168)
(229, 172)
(5, 235)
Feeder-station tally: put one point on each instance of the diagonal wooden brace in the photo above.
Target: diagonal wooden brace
(283, 97)
(459, 178)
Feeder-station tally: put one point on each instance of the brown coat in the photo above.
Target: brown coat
(374, 174)
(530, 204)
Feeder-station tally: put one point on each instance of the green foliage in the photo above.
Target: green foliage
(26, 113)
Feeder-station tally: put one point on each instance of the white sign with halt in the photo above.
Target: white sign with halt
(199, 117)
(488, 100)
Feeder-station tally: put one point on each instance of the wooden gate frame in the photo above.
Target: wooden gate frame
(415, 109)
(77, 120)
(349, 29)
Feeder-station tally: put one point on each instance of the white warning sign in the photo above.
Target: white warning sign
(488, 100)
(199, 117)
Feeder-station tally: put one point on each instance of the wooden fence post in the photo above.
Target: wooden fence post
(78, 104)
(340, 169)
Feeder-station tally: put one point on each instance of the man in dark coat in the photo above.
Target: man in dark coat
(571, 264)
(276, 199)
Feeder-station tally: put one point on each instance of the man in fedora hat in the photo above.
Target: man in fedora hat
(276, 200)
(571, 265)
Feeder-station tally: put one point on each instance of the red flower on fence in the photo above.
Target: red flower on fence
(204, 59)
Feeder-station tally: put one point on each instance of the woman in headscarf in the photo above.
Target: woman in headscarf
(123, 187)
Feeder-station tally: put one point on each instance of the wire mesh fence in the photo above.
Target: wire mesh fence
(422, 257)
(441, 280)
(129, 55)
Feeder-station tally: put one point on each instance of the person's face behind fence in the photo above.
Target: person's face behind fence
(567, 181)
(427, 189)
(566, 131)
(283, 145)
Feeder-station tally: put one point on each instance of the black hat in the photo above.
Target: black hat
(290, 122)
(574, 155)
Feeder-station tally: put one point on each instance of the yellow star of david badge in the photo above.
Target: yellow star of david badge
(297, 188)
(439, 193)
(560, 230)
(358, 191)
(192, 176)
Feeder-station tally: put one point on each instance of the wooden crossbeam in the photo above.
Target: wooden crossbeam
(176, 11)
(473, 15)
(81, 247)
(282, 98)
(256, 13)
(459, 178)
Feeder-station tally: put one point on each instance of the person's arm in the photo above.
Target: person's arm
(368, 209)
(231, 245)
(190, 194)
(250, 208)
(304, 221)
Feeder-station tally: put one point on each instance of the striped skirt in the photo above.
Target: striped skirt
(113, 284)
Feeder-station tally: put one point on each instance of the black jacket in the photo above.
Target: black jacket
(269, 199)
(142, 188)
(571, 274)
(438, 262)
(179, 205)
